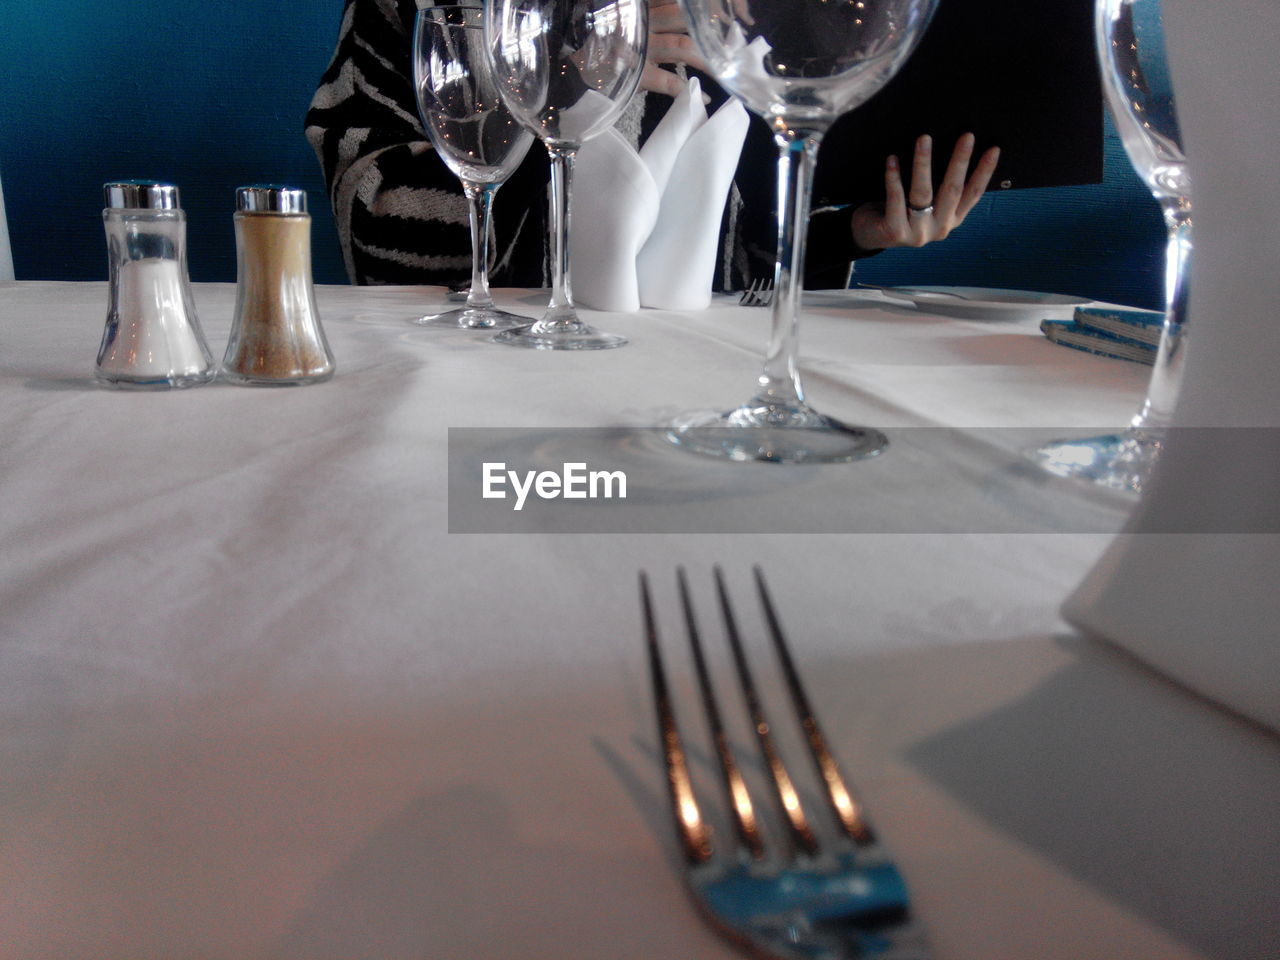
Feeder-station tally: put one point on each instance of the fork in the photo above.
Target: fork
(759, 293)
(841, 898)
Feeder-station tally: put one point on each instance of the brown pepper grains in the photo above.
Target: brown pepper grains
(276, 336)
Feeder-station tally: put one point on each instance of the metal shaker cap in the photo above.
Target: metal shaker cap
(271, 198)
(140, 195)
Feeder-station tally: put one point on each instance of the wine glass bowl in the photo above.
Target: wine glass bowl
(473, 133)
(798, 64)
(566, 71)
(1135, 78)
(475, 136)
(808, 62)
(1130, 40)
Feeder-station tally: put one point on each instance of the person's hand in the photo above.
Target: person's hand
(669, 42)
(914, 216)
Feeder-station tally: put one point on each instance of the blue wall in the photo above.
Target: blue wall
(209, 95)
(212, 95)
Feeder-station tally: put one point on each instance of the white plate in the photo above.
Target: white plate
(984, 303)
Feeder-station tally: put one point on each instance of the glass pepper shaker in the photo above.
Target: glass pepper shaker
(276, 337)
(152, 337)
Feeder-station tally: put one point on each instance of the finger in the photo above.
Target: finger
(953, 181)
(656, 80)
(921, 191)
(895, 202)
(673, 48)
(978, 181)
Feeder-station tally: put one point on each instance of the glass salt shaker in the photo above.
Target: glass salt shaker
(152, 337)
(276, 337)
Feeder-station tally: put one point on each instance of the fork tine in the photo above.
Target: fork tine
(788, 798)
(766, 293)
(848, 812)
(694, 834)
(759, 293)
(745, 825)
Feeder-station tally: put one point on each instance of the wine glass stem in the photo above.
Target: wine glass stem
(480, 199)
(560, 309)
(1166, 376)
(779, 383)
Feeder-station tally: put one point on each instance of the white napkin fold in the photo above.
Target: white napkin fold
(646, 225)
(1204, 606)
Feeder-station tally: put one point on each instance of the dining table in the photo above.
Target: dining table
(279, 681)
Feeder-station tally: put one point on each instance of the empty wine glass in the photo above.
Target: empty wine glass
(799, 64)
(567, 69)
(1135, 75)
(475, 135)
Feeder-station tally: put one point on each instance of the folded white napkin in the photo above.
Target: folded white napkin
(1204, 606)
(646, 225)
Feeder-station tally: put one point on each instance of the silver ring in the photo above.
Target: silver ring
(927, 208)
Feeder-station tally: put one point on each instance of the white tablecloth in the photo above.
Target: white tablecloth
(257, 702)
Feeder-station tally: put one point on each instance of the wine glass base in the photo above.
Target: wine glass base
(775, 433)
(1116, 461)
(473, 318)
(560, 335)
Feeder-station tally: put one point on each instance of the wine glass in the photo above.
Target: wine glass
(473, 133)
(566, 69)
(799, 64)
(1135, 76)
